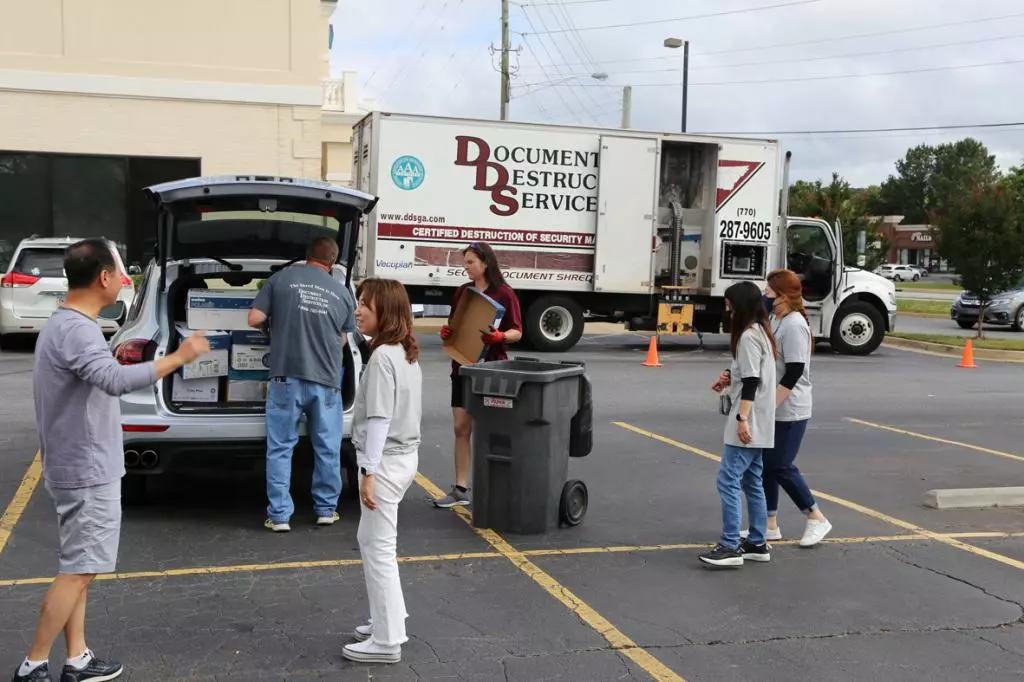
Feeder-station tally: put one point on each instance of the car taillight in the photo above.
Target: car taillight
(132, 351)
(126, 281)
(16, 280)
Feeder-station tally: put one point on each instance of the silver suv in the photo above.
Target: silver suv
(224, 233)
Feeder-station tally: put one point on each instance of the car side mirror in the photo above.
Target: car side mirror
(113, 312)
(134, 269)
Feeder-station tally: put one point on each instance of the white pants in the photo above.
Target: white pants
(378, 541)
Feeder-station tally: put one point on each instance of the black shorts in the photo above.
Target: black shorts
(457, 398)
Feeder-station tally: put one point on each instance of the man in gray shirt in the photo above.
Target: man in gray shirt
(310, 314)
(77, 383)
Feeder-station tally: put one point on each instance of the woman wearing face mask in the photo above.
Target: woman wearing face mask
(481, 265)
(784, 297)
(386, 435)
(749, 429)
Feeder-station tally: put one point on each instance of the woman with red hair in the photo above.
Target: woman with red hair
(792, 408)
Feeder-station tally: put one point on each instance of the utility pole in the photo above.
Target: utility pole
(627, 106)
(506, 85)
(686, 78)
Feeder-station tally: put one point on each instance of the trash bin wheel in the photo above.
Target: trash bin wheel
(573, 506)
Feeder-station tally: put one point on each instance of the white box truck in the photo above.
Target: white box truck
(648, 229)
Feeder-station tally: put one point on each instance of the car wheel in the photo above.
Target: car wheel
(897, 278)
(1018, 320)
(858, 329)
(917, 277)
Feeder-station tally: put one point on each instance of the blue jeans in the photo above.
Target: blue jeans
(287, 400)
(741, 469)
(780, 470)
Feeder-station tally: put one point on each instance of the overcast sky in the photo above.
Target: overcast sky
(433, 57)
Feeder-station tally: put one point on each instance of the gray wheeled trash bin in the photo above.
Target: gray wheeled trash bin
(524, 413)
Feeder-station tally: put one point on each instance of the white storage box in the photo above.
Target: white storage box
(195, 390)
(250, 356)
(247, 391)
(211, 309)
(212, 364)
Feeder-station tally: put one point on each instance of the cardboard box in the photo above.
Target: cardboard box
(212, 364)
(211, 309)
(250, 356)
(476, 312)
(195, 390)
(247, 391)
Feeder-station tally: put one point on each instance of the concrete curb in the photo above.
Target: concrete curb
(953, 351)
(974, 498)
(934, 316)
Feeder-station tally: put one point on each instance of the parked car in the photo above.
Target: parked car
(33, 286)
(234, 232)
(1005, 309)
(899, 273)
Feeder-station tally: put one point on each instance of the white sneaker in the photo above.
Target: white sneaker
(370, 652)
(277, 527)
(328, 520)
(815, 532)
(769, 534)
(363, 632)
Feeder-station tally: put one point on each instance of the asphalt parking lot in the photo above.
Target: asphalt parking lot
(899, 592)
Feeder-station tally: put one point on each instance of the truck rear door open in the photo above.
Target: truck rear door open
(627, 192)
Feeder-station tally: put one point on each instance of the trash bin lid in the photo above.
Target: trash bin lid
(523, 370)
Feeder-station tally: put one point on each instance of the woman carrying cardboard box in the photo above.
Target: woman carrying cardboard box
(484, 273)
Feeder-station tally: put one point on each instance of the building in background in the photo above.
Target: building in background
(911, 244)
(100, 99)
(343, 108)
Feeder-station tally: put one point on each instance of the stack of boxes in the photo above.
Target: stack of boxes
(237, 368)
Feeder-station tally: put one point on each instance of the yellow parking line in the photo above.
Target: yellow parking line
(615, 637)
(867, 511)
(251, 568)
(934, 439)
(21, 497)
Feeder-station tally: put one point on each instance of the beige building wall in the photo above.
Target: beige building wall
(343, 108)
(237, 83)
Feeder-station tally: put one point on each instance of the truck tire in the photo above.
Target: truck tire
(858, 329)
(554, 324)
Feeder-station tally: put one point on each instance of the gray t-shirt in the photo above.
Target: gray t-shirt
(309, 311)
(77, 383)
(753, 359)
(793, 336)
(390, 388)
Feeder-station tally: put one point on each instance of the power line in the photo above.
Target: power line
(847, 55)
(873, 34)
(653, 22)
(816, 78)
(962, 126)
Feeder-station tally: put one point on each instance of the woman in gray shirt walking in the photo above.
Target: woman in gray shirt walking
(749, 430)
(792, 408)
(386, 435)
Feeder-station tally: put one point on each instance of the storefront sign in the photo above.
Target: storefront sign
(920, 237)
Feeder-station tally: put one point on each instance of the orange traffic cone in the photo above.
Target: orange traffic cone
(967, 361)
(652, 354)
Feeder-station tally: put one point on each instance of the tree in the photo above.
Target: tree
(838, 200)
(928, 177)
(980, 230)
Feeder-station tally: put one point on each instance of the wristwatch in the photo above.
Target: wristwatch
(740, 417)
(364, 472)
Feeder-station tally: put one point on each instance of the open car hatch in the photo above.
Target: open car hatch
(255, 217)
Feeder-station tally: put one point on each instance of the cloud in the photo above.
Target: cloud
(433, 57)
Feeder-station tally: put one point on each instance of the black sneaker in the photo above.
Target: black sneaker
(97, 671)
(722, 557)
(752, 552)
(40, 674)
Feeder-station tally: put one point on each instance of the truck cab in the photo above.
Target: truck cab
(849, 307)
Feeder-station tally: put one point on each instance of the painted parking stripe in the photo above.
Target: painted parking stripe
(615, 637)
(935, 439)
(16, 508)
(867, 511)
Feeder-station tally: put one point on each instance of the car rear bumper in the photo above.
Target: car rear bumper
(149, 456)
(15, 324)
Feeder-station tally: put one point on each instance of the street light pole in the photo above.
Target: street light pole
(627, 106)
(676, 43)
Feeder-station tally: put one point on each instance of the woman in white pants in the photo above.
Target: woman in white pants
(386, 435)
